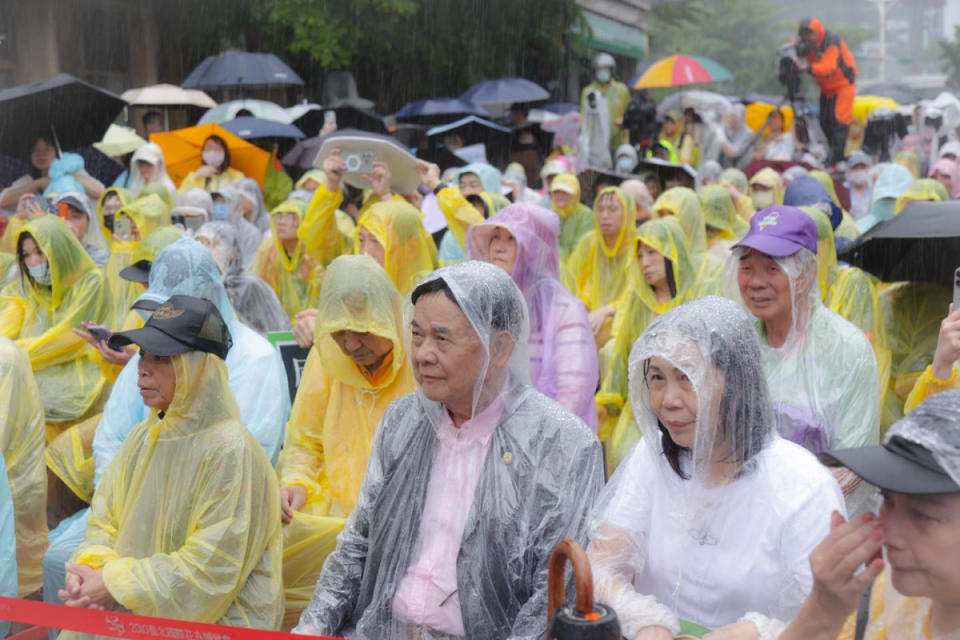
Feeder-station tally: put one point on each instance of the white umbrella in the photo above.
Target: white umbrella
(259, 108)
(168, 95)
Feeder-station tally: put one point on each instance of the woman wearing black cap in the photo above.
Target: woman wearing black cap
(910, 550)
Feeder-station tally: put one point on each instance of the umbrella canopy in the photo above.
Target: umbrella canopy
(249, 128)
(678, 70)
(439, 111)
(311, 122)
(160, 95)
(297, 111)
(76, 112)
(118, 141)
(242, 69)
(702, 101)
(182, 149)
(505, 91)
(474, 130)
(259, 108)
(302, 154)
(921, 243)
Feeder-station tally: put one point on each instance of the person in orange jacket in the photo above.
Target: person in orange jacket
(834, 69)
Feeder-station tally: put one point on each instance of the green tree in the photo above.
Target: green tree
(950, 58)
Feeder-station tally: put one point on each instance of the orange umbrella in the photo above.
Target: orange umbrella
(182, 149)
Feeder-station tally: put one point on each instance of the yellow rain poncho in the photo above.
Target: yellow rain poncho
(848, 226)
(460, 213)
(909, 160)
(147, 214)
(8, 242)
(185, 522)
(125, 198)
(408, 249)
(925, 189)
(322, 231)
(683, 204)
(770, 179)
(575, 220)
(724, 225)
(599, 274)
(40, 323)
(335, 416)
(21, 445)
(295, 278)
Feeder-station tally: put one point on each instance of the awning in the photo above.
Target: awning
(615, 37)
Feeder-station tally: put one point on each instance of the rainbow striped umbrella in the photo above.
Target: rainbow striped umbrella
(678, 70)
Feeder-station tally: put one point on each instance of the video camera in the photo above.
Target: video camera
(787, 72)
(640, 119)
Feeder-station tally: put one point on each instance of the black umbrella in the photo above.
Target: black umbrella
(474, 130)
(239, 69)
(922, 243)
(311, 122)
(75, 112)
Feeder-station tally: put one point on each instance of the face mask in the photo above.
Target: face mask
(221, 211)
(625, 165)
(858, 177)
(40, 273)
(761, 199)
(212, 158)
(603, 76)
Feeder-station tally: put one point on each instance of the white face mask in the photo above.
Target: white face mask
(761, 199)
(212, 158)
(858, 177)
(40, 273)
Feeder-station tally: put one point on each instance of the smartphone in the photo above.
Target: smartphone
(100, 332)
(358, 162)
(122, 229)
(329, 116)
(956, 289)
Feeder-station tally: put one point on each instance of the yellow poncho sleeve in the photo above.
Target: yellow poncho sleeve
(460, 214)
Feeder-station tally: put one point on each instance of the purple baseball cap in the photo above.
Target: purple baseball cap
(779, 231)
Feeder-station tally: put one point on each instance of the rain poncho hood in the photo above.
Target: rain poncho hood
(408, 250)
(22, 444)
(250, 190)
(720, 213)
(807, 190)
(950, 168)
(150, 153)
(571, 181)
(93, 240)
(768, 177)
(925, 189)
(125, 198)
(212, 554)
(488, 174)
(527, 498)
(600, 272)
(154, 242)
(933, 424)
(910, 161)
(576, 219)
(248, 234)
(892, 182)
(317, 175)
(563, 355)
(672, 528)
(735, 178)
(683, 204)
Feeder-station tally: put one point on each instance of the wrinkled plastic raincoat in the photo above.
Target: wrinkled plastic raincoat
(684, 539)
(889, 186)
(637, 308)
(724, 225)
(40, 324)
(248, 235)
(848, 225)
(950, 168)
(925, 189)
(8, 544)
(563, 354)
(409, 253)
(93, 241)
(295, 278)
(254, 301)
(823, 380)
(575, 220)
(335, 416)
(212, 552)
(460, 213)
(598, 274)
(766, 177)
(320, 230)
(540, 473)
(125, 198)
(152, 154)
(250, 190)
(147, 214)
(21, 444)
(683, 204)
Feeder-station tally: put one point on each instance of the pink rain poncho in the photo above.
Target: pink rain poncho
(563, 354)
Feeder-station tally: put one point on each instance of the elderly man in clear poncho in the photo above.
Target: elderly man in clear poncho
(821, 369)
(471, 482)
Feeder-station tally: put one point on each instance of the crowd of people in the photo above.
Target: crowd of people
(688, 381)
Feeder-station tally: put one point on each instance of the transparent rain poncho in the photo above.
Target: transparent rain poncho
(212, 553)
(540, 474)
(893, 180)
(683, 204)
(295, 278)
(563, 354)
(41, 322)
(254, 301)
(824, 382)
(409, 252)
(250, 190)
(248, 235)
(125, 198)
(724, 225)
(92, 240)
(576, 219)
(21, 444)
(8, 544)
(152, 154)
(721, 531)
(599, 273)
(335, 416)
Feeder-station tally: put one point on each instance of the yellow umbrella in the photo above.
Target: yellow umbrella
(182, 149)
(757, 112)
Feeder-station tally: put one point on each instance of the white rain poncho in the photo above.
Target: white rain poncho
(248, 235)
(254, 301)
(152, 154)
(8, 544)
(540, 475)
(728, 540)
(250, 191)
(92, 240)
(823, 380)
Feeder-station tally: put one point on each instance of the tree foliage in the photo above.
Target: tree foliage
(950, 58)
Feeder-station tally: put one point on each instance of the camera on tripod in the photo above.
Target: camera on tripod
(787, 72)
(640, 119)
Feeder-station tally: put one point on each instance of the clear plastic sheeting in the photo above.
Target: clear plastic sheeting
(250, 191)
(683, 204)
(934, 424)
(213, 552)
(254, 301)
(21, 444)
(563, 355)
(8, 544)
(824, 381)
(540, 475)
(409, 252)
(673, 528)
(248, 235)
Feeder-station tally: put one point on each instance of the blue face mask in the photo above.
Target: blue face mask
(603, 76)
(221, 211)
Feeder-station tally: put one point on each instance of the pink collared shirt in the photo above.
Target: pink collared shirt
(427, 596)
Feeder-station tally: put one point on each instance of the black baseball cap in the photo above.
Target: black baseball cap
(899, 465)
(139, 271)
(182, 323)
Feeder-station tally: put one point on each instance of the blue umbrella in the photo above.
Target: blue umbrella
(439, 111)
(505, 91)
(242, 69)
(248, 128)
(561, 108)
